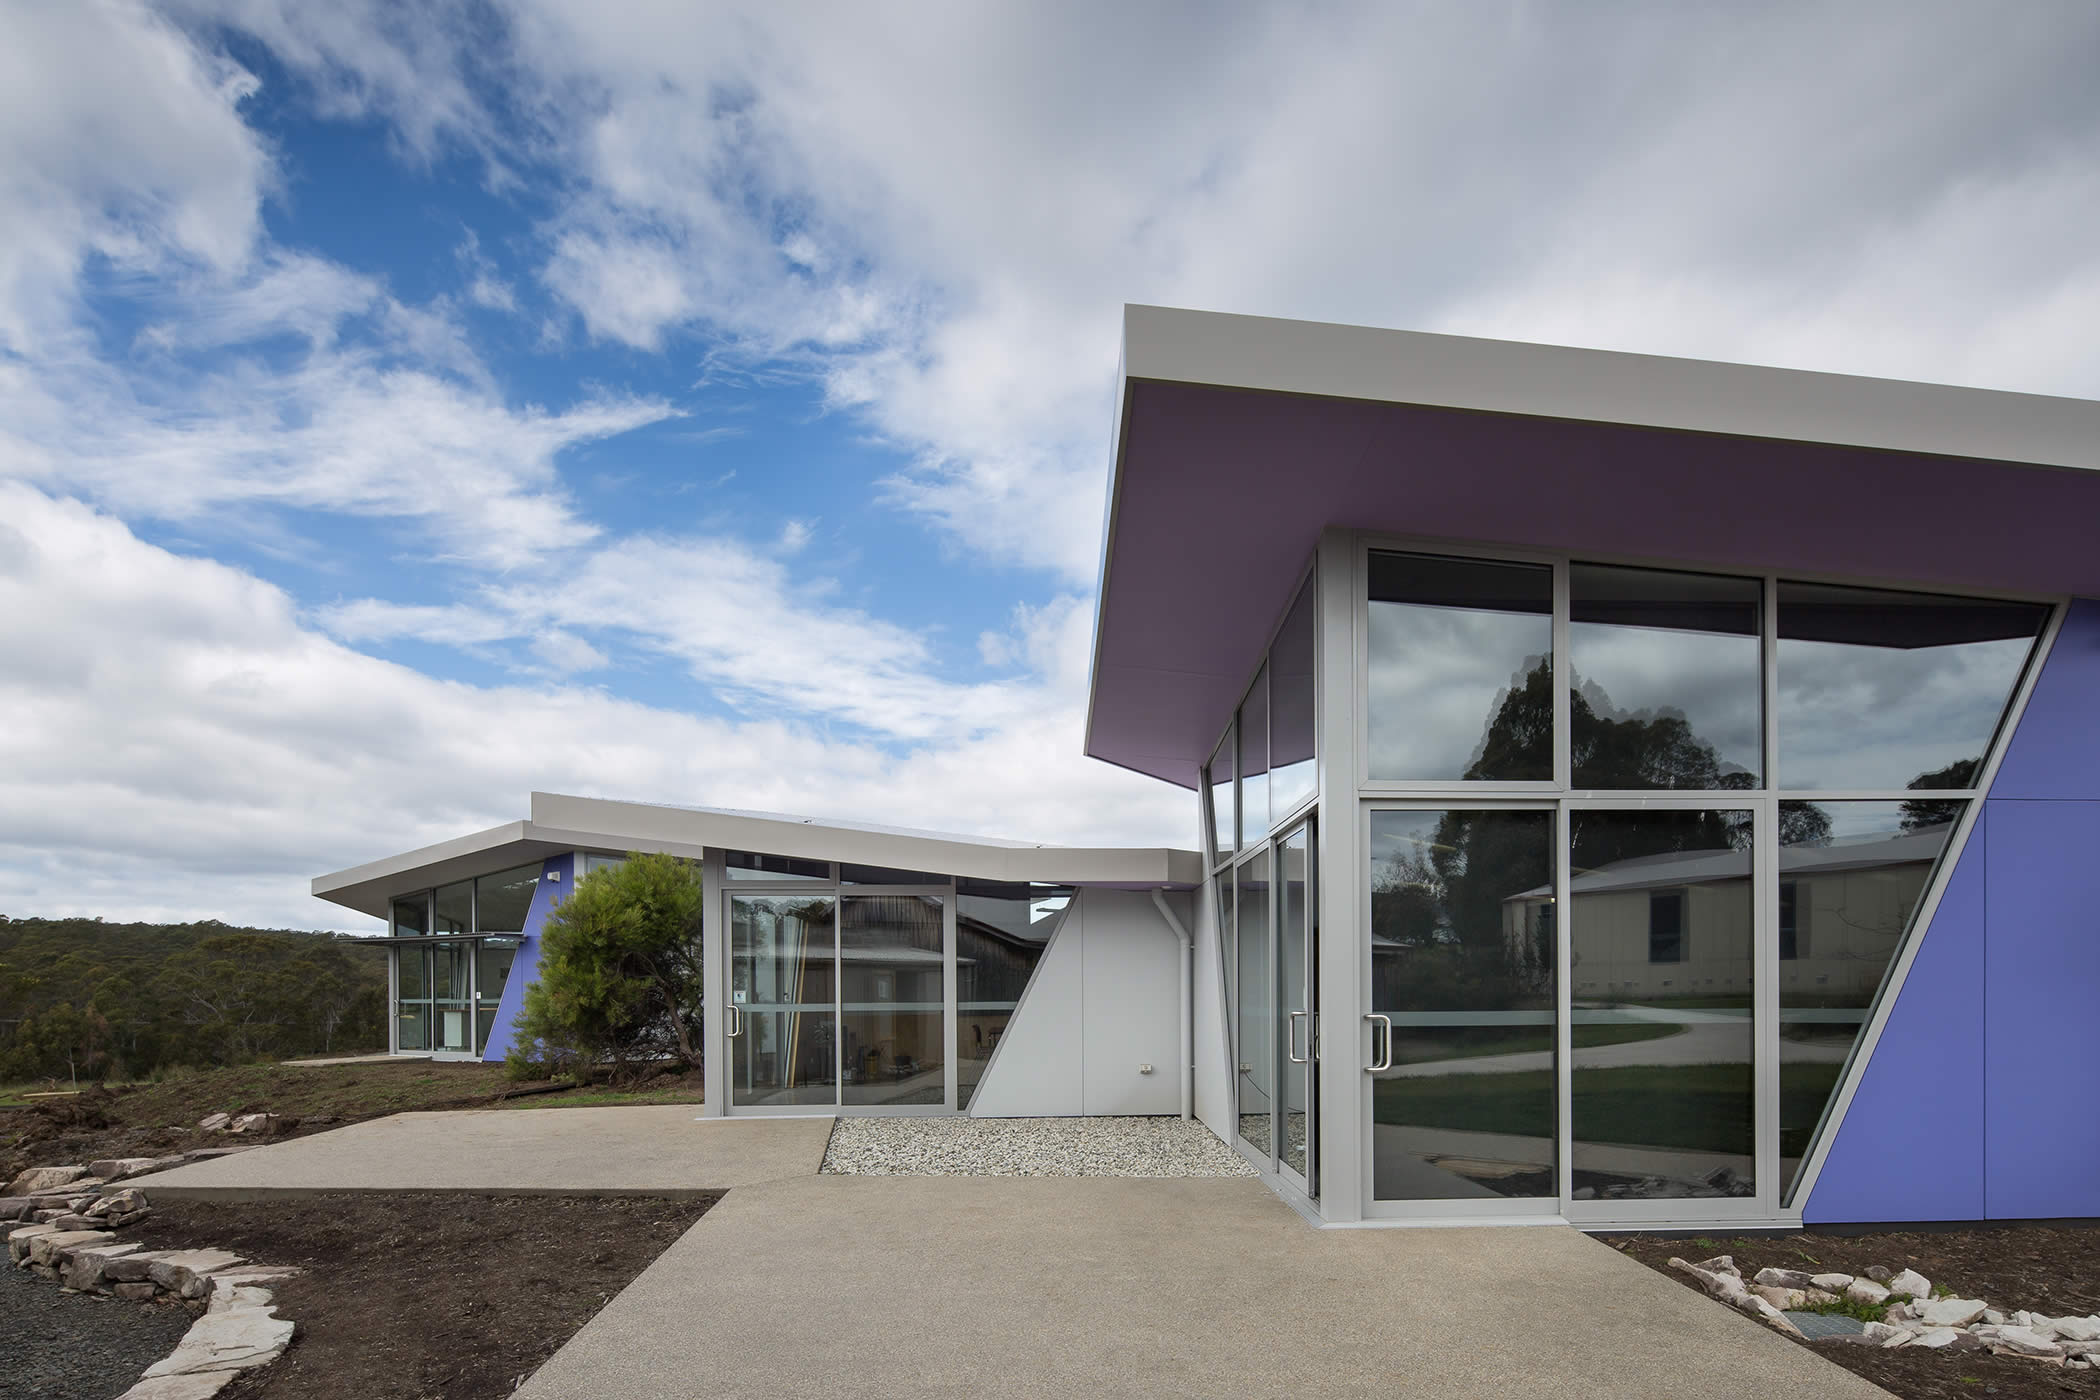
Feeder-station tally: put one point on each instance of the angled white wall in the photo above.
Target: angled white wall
(1213, 1053)
(1103, 1003)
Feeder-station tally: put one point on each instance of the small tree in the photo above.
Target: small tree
(619, 974)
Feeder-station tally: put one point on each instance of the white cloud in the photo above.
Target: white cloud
(181, 746)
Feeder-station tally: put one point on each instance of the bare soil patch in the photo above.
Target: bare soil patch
(2053, 1270)
(426, 1294)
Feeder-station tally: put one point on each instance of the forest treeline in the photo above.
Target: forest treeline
(88, 1000)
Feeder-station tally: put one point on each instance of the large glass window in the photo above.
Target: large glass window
(1666, 691)
(749, 865)
(1851, 877)
(452, 908)
(892, 1004)
(1662, 941)
(1253, 729)
(411, 916)
(1461, 670)
(1882, 690)
(412, 997)
(1462, 966)
(1253, 1046)
(1219, 777)
(492, 963)
(1291, 700)
(1000, 934)
(502, 900)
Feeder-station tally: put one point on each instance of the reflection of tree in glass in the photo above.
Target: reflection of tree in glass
(1921, 812)
(1611, 751)
(1803, 824)
(1438, 914)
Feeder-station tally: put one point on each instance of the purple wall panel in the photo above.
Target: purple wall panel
(1912, 1144)
(2055, 753)
(557, 878)
(2042, 998)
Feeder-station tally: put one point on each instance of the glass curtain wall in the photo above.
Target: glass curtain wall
(892, 1036)
(1702, 794)
(1000, 934)
(449, 983)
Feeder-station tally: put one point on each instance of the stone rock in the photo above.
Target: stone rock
(1720, 1264)
(43, 1179)
(2091, 1350)
(16, 1207)
(1994, 1317)
(2078, 1329)
(45, 1249)
(1728, 1287)
(252, 1274)
(1817, 1298)
(251, 1123)
(1867, 1291)
(117, 1168)
(73, 1221)
(184, 1271)
(214, 1122)
(1878, 1273)
(204, 1154)
(1771, 1316)
(1831, 1283)
(227, 1341)
(136, 1292)
(134, 1268)
(1933, 1338)
(83, 1267)
(1911, 1283)
(79, 1188)
(196, 1385)
(118, 1202)
(19, 1238)
(2022, 1341)
(1785, 1278)
(1781, 1298)
(1951, 1312)
(1880, 1334)
(229, 1297)
(45, 1217)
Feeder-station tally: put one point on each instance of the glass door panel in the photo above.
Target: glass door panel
(1662, 954)
(452, 1010)
(783, 991)
(1463, 961)
(1254, 1046)
(1297, 1029)
(492, 962)
(412, 997)
(892, 1000)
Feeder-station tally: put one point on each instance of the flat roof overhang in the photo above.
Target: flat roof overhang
(561, 823)
(1239, 439)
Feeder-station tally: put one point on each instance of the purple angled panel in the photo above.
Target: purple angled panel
(1911, 1145)
(2055, 753)
(557, 878)
(2042, 1000)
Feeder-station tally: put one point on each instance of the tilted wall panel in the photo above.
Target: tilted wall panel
(1035, 1072)
(557, 878)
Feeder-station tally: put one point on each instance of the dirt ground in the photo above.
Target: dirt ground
(152, 1120)
(442, 1295)
(2050, 1270)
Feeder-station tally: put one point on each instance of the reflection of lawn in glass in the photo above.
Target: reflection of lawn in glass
(1413, 1048)
(1703, 1108)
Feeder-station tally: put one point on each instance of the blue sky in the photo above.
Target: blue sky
(405, 407)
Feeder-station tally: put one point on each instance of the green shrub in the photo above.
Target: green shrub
(618, 985)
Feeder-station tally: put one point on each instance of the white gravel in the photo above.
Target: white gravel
(1028, 1147)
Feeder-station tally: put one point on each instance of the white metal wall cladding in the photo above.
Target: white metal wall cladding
(1213, 1061)
(1103, 1002)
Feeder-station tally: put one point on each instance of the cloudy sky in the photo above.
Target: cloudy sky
(404, 407)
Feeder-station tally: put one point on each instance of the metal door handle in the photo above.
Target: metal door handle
(736, 1021)
(1385, 1061)
(1290, 1037)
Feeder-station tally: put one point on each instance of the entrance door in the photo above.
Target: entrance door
(1276, 1022)
(783, 999)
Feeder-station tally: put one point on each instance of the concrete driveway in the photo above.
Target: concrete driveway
(811, 1286)
(1001, 1286)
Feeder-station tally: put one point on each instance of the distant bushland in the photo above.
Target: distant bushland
(84, 1000)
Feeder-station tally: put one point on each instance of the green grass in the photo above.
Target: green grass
(1705, 1108)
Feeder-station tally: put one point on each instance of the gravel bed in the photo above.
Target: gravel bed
(1028, 1147)
(74, 1346)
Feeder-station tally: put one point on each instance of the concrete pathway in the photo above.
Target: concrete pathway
(1074, 1286)
(657, 1148)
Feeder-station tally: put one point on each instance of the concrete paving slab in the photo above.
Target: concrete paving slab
(658, 1149)
(1016, 1286)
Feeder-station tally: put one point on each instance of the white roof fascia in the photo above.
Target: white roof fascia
(1606, 386)
(620, 824)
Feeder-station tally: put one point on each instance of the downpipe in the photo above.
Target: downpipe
(1188, 982)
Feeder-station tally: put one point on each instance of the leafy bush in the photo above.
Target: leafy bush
(618, 985)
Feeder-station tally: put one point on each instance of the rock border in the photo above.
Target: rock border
(56, 1231)
(1914, 1317)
